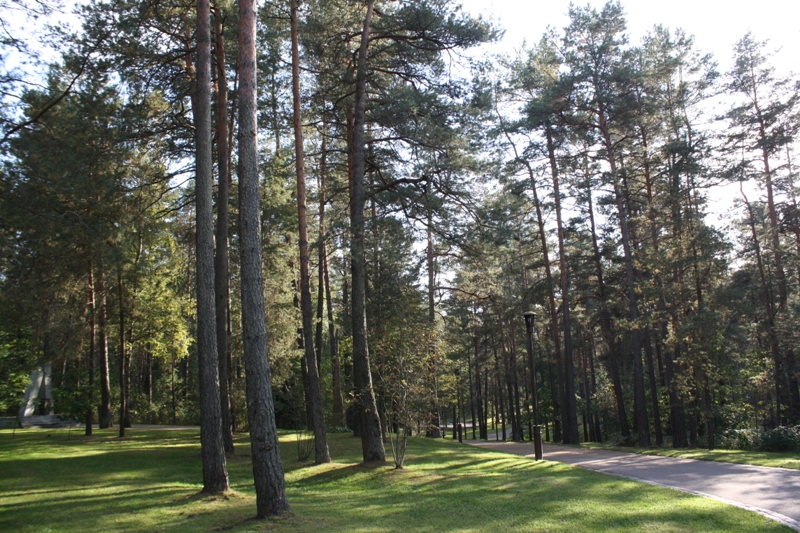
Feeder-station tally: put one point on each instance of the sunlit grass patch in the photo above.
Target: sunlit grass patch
(150, 481)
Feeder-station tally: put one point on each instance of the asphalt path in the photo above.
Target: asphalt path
(772, 492)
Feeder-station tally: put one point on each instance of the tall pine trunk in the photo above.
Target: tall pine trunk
(221, 258)
(215, 474)
(91, 355)
(366, 408)
(433, 430)
(104, 413)
(123, 400)
(324, 280)
(267, 467)
(315, 393)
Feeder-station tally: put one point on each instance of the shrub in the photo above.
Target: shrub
(738, 439)
(780, 439)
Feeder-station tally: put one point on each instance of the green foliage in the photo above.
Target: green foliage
(16, 365)
(779, 439)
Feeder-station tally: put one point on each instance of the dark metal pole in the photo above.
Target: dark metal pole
(537, 429)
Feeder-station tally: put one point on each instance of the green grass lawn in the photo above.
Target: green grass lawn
(774, 459)
(150, 480)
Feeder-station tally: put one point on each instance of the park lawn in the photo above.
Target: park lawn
(149, 482)
(741, 457)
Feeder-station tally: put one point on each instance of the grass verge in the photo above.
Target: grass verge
(149, 482)
(741, 457)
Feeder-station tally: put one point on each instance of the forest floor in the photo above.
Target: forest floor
(773, 492)
(149, 481)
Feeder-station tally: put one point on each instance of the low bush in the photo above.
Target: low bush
(737, 439)
(779, 439)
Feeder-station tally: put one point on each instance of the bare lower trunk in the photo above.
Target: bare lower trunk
(556, 398)
(338, 401)
(104, 414)
(479, 395)
(710, 430)
(123, 401)
(471, 397)
(91, 354)
(654, 394)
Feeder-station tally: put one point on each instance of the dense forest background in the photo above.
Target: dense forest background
(571, 180)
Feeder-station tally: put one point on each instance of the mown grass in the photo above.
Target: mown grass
(149, 482)
(741, 457)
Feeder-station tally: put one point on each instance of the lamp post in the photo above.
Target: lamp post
(457, 427)
(537, 429)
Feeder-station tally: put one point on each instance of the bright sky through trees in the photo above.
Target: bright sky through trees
(715, 24)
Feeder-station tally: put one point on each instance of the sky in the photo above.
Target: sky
(715, 24)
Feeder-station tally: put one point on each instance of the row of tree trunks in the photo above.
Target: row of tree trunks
(606, 327)
(569, 418)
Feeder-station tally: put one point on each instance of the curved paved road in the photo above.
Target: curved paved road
(772, 492)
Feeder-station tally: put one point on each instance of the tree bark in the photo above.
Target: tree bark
(499, 388)
(104, 414)
(267, 467)
(123, 400)
(221, 258)
(215, 474)
(338, 402)
(315, 393)
(469, 383)
(479, 395)
(91, 355)
(433, 427)
(654, 394)
(371, 441)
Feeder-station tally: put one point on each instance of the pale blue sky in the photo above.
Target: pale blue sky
(716, 24)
